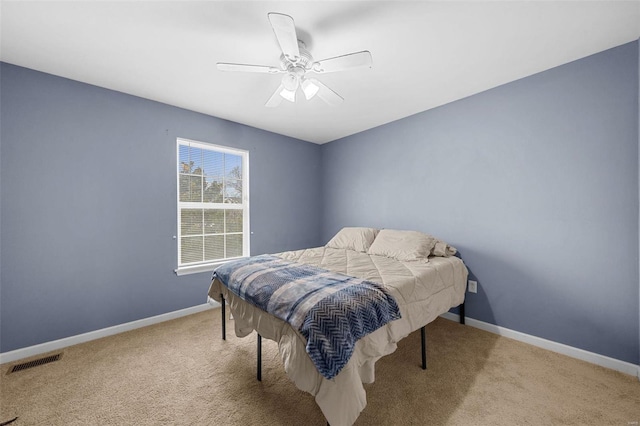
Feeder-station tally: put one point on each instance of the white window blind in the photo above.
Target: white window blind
(213, 205)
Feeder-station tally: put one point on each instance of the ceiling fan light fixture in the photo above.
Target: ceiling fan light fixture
(290, 82)
(296, 61)
(289, 95)
(309, 88)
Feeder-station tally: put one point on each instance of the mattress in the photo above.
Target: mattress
(423, 291)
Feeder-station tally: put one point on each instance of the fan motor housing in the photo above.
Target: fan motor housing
(305, 61)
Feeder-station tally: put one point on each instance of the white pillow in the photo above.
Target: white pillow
(443, 249)
(352, 238)
(405, 246)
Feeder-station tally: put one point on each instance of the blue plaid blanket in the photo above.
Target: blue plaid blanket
(332, 311)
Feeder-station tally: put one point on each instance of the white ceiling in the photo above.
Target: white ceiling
(425, 54)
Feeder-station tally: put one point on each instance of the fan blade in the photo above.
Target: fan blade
(326, 94)
(285, 31)
(222, 66)
(344, 62)
(275, 99)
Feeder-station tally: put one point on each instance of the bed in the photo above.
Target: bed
(419, 271)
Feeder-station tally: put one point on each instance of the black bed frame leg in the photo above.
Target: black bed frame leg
(462, 313)
(259, 375)
(224, 328)
(423, 335)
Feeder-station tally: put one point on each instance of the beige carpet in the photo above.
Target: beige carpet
(181, 372)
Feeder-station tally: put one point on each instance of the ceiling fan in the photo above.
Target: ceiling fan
(296, 62)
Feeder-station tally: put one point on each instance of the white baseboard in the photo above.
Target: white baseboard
(593, 358)
(601, 360)
(97, 334)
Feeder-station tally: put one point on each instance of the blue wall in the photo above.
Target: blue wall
(535, 182)
(89, 204)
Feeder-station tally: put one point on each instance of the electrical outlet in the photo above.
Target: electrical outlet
(473, 286)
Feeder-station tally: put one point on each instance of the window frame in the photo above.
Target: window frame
(210, 265)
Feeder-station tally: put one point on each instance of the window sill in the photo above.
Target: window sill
(186, 270)
(207, 267)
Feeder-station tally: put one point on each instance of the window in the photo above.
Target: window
(213, 205)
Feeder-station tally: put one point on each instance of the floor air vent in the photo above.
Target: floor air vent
(35, 363)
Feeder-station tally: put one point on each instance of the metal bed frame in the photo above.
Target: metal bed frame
(423, 336)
